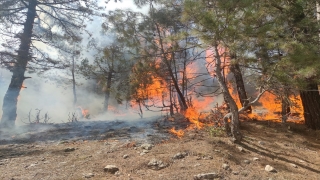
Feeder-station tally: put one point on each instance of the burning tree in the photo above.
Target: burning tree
(26, 23)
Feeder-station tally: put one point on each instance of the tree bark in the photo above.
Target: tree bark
(234, 114)
(10, 100)
(74, 83)
(107, 93)
(311, 106)
(235, 69)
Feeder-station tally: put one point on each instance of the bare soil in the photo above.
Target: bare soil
(74, 151)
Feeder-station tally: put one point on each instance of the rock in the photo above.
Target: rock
(293, 165)
(246, 161)
(125, 156)
(261, 143)
(240, 149)
(69, 149)
(207, 157)
(207, 176)
(270, 168)
(142, 153)
(196, 165)
(225, 166)
(118, 173)
(145, 151)
(112, 169)
(235, 172)
(146, 146)
(156, 164)
(256, 159)
(179, 155)
(89, 175)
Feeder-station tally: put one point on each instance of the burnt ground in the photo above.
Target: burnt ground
(82, 150)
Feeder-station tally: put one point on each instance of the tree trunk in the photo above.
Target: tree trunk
(184, 105)
(235, 69)
(10, 100)
(311, 106)
(107, 93)
(234, 114)
(74, 83)
(285, 109)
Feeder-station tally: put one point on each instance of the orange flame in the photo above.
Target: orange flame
(178, 133)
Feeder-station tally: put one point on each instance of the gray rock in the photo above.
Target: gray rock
(207, 157)
(256, 159)
(146, 146)
(246, 161)
(179, 155)
(261, 143)
(89, 175)
(145, 151)
(293, 165)
(69, 149)
(225, 166)
(142, 153)
(269, 168)
(240, 149)
(207, 176)
(235, 172)
(156, 164)
(125, 156)
(112, 169)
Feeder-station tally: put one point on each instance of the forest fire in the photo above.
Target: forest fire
(178, 133)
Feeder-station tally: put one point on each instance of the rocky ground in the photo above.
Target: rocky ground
(145, 150)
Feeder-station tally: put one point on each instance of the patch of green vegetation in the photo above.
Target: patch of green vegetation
(216, 131)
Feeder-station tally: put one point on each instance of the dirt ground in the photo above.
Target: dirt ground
(291, 149)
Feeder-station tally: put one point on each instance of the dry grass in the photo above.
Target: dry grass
(272, 143)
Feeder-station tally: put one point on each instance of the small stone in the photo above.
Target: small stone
(196, 165)
(146, 146)
(112, 169)
(206, 176)
(179, 155)
(246, 161)
(69, 149)
(125, 156)
(240, 149)
(293, 165)
(207, 157)
(270, 168)
(261, 143)
(198, 158)
(135, 148)
(301, 161)
(256, 159)
(118, 173)
(145, 151)
(142, 153)
(235, 172)
(89, 175)
(225, 166)
(217, 150)
(156, 164)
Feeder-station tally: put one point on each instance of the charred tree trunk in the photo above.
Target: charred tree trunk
(311, 106)
(235, 69)
(107, 92)
(234, 114)
(10, 100)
